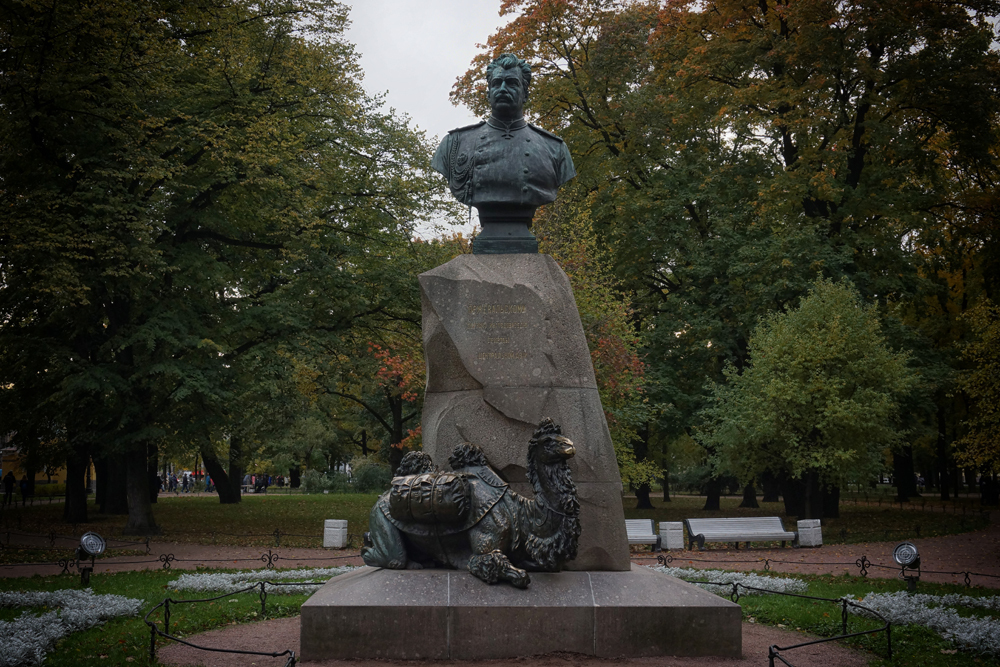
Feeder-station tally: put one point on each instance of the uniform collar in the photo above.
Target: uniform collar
(506, 127)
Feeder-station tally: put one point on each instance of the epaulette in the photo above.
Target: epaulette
(467, 127)
(545, 132)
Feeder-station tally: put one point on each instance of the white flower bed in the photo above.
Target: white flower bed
(223, 581)
(978, 635)
(773, 584)
(26, 639)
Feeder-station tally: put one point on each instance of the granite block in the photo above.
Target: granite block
(505, 348)
(449, 614)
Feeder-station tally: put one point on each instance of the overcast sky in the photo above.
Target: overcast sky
(414, 50)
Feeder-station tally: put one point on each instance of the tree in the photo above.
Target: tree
(817, 401)
(185, 190)
(565, 231)
(732, 152)
(980, 447)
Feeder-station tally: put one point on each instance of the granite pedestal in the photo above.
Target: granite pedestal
(449, 614)
(505, 347)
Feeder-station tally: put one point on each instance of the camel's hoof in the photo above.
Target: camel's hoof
(520, 580)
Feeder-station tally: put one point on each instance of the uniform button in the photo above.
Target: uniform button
(524, 189)
(528, 140)
(526, 171)
(482, 136)
(526, 154)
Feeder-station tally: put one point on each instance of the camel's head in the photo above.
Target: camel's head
(549, 445)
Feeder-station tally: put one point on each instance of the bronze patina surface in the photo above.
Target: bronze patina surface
(428, 518)
(504, 166)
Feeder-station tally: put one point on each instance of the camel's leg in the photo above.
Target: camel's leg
(495, 566)
(387, 548)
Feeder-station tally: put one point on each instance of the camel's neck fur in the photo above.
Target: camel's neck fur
(555, 510)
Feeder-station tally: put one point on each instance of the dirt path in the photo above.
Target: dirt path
(181, 556)
(977, 552)
(283, 633)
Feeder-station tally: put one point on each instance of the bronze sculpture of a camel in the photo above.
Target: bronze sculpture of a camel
(471, 518)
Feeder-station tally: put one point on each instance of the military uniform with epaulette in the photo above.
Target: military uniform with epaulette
(505, 170)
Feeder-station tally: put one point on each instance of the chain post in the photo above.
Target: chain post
(843, 617)
(152, 642)
(263, 599)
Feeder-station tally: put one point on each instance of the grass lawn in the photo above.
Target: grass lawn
(911, 645)
(125, 641)
(857, 523)
(203, 520)
(195, 519)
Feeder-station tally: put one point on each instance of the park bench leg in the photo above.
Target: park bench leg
(782, 544)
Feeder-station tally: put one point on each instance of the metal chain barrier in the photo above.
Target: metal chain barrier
(773, 652)
(260, 588)
(863, 565)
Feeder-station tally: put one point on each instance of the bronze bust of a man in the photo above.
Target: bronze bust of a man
(504, 166)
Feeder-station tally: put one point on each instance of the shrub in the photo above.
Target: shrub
(370, 476)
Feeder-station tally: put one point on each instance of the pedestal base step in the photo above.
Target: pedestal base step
(449, 614)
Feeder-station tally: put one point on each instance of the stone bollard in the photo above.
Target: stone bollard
(335, 533)
(810, 533)
(671, 535)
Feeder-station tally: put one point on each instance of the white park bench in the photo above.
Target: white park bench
(640, 531)
(745, 529)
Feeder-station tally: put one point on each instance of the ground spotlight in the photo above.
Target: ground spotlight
(908, 558)
(91, 546)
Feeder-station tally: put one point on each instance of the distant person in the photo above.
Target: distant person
(184, 484)
(8, 488)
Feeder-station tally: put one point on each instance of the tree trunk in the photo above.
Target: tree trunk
(100, 483)
(666, 486)
(642, 501)
(140, 510)
(154, 479)
(902, 471)
(956, 483)
(115, 497)
(235, 470)
(770, 485)
(75, 508)
(223, 485)
(942, 456)
(395, 451)
(989, 489)
(713, 494)
(749, 496)
(295, 478)
(792, 492)
(364, 443)
(831, 502)
(812, 498)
